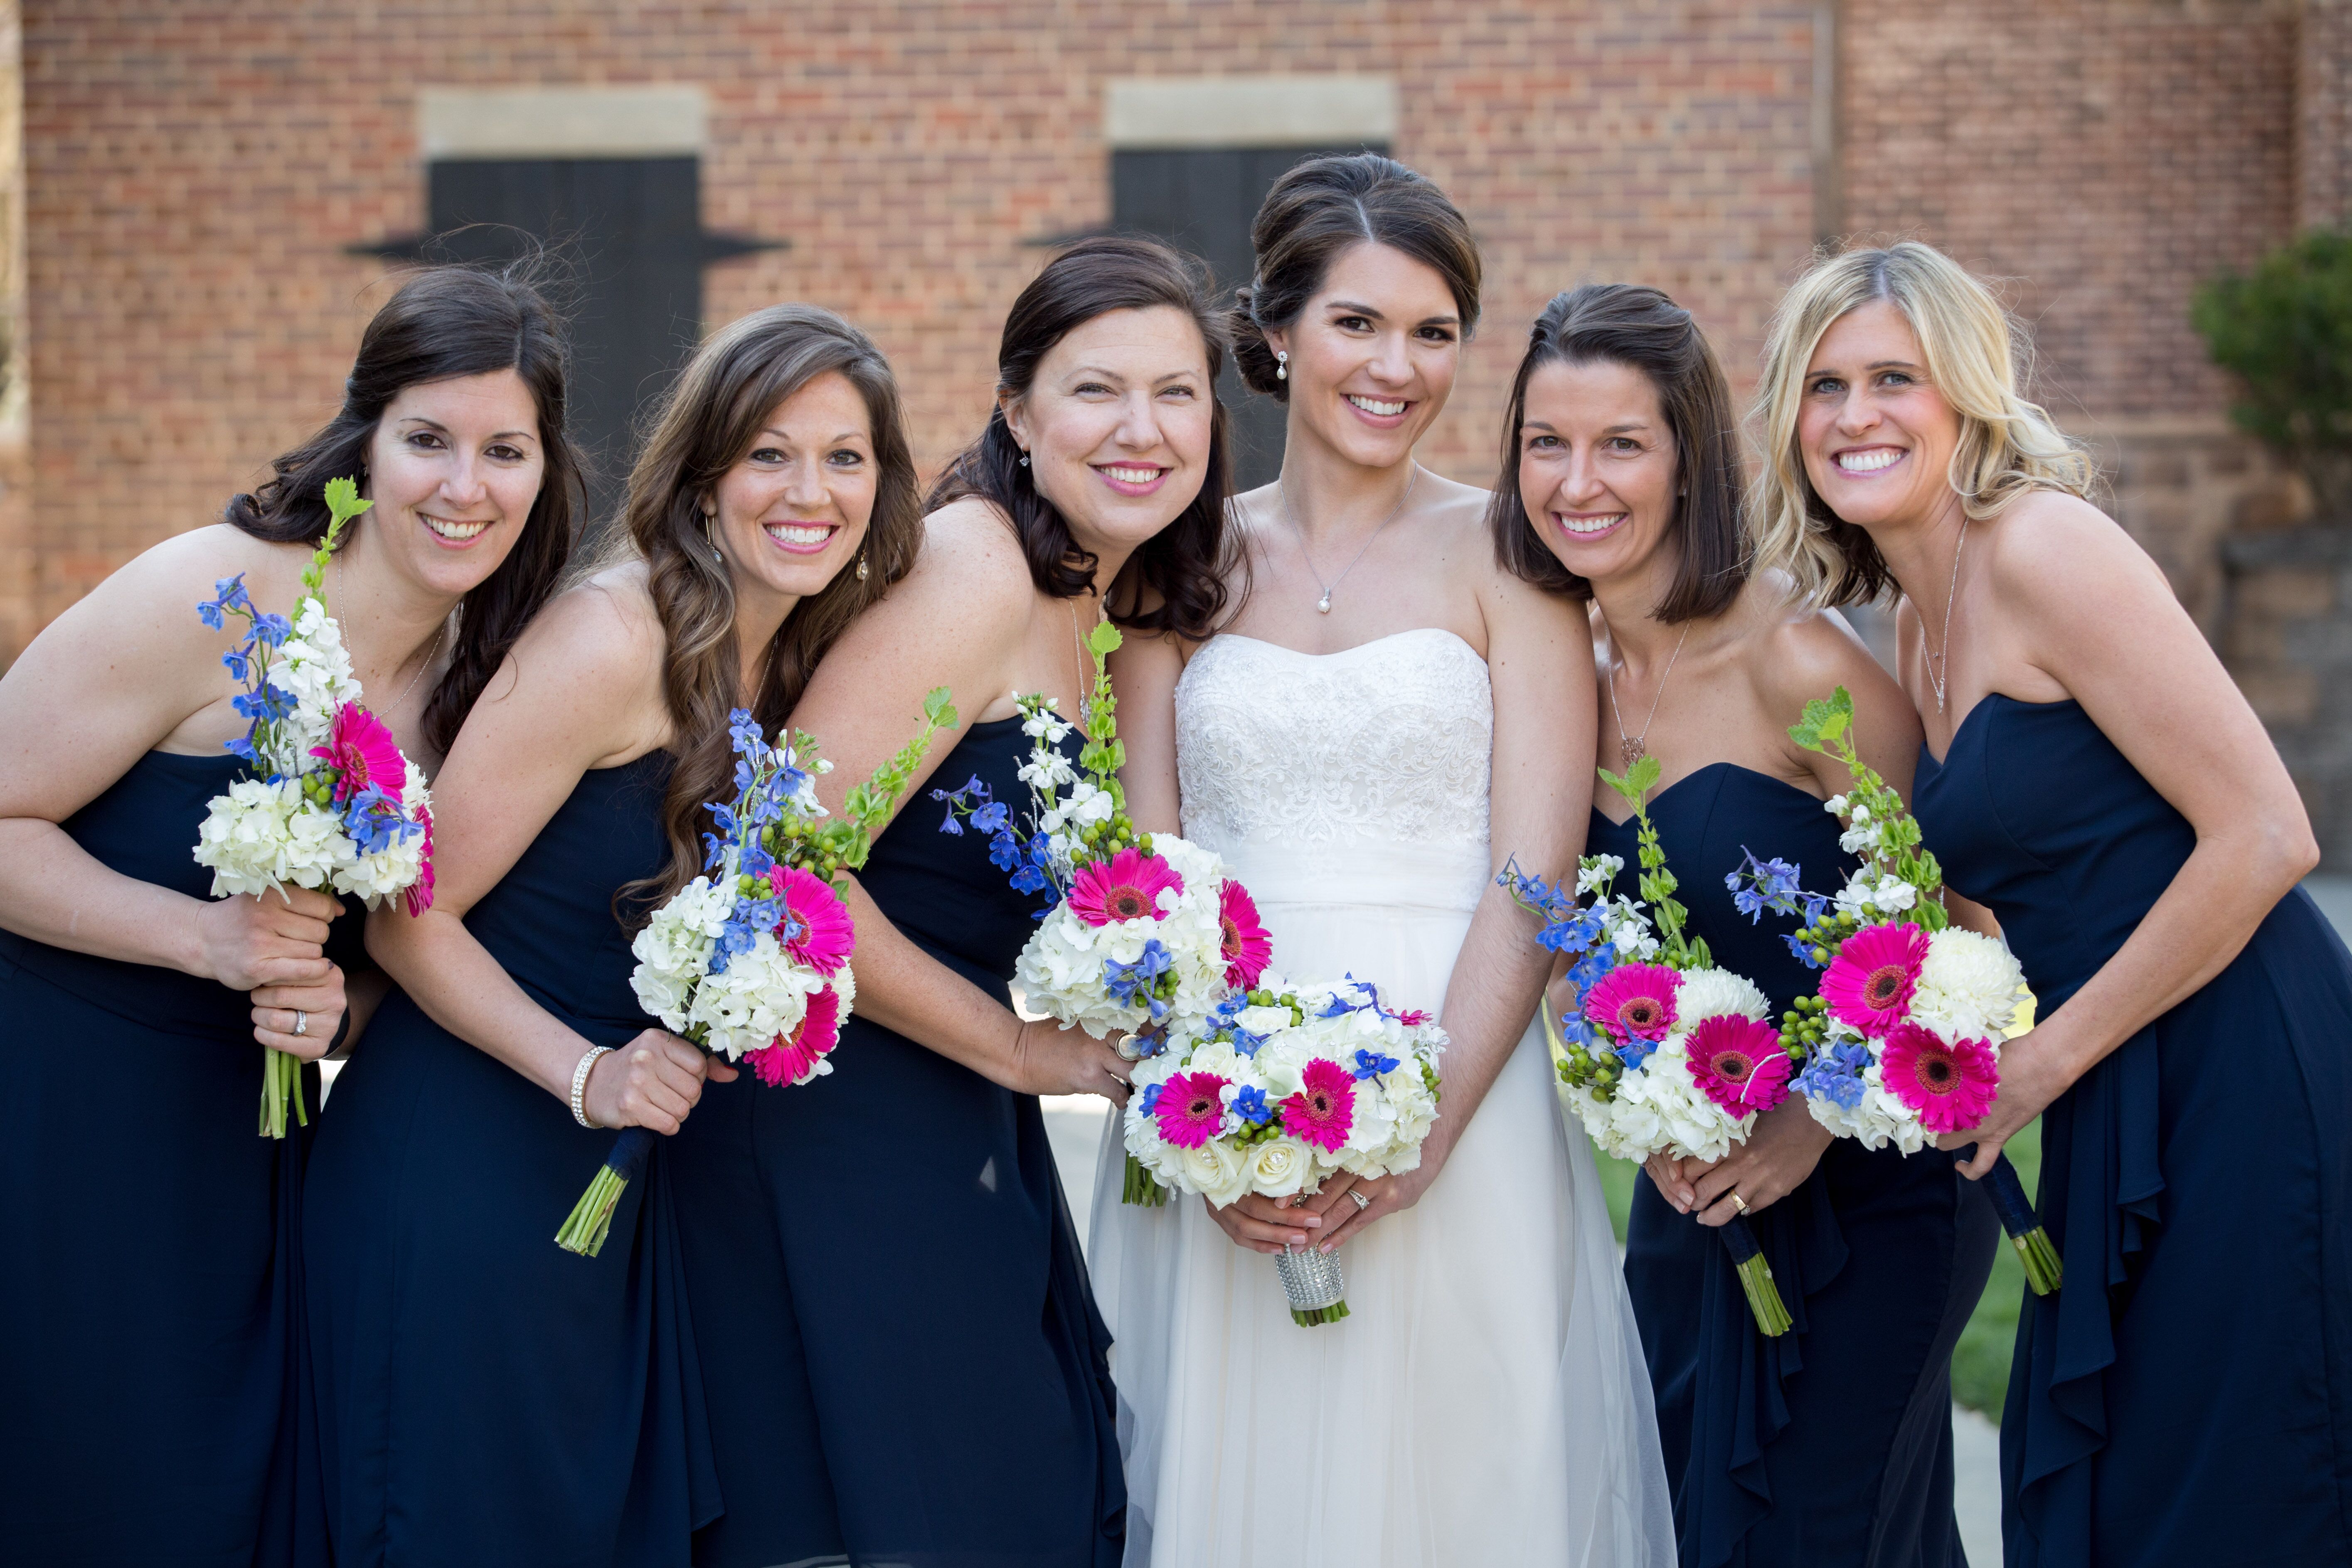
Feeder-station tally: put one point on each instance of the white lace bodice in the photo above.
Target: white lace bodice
(1389, 741)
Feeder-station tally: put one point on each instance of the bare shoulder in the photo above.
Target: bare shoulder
(2049, 547)
(1800, 652)
(970, 572)
(602, 634)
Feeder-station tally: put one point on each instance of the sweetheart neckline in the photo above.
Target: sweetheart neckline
(1355, 648)
(1960, 728)
(1697, 771)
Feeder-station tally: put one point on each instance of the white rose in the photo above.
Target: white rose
(1279, 1167)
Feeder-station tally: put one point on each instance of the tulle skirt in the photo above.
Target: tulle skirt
(1485, 1401)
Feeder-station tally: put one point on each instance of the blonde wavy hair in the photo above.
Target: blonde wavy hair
(1976, 355)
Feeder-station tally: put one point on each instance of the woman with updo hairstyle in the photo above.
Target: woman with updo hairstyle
(2092, 775)
(483, 1394)
(150, 1319)
(1375, 726)
(1621, 486)
(911, 1368)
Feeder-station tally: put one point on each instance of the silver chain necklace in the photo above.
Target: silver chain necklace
(1939, 668)
(1634, 748)
(1324, 603)
(430, 654)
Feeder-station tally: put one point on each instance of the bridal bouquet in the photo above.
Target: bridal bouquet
(1145, 933)
(1278, 1087)
(329, 802)
(1665, 1052)
(751, 960)
(1902, 1040)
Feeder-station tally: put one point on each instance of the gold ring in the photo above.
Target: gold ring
(1739, 1203)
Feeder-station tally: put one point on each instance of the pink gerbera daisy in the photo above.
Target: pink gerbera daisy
(823, 935)
(801, 1057)
(419, 893)
(1634, 1001)
(1871, 981)
(1247, 949)
(1324, 1108)
(1126, 886)
(1191, 1109)
(1738, 1063)
(1951, 1087)
(362, 753)
(1413, 1017)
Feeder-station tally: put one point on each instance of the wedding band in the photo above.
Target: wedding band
(1738, 1202)
(1128, 1051)
(301, 1023)
(1362, 1203)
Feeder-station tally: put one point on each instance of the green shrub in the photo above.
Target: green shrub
(2285, 330)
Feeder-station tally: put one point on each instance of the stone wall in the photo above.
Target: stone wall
(2288, 643)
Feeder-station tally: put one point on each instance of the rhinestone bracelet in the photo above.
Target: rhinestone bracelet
(580, 1085)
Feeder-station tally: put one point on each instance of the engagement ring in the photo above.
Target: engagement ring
(302, 1022)
(1128, 1051)
(1362, 1203)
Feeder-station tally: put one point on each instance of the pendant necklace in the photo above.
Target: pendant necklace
(1324, 603)
(1634, 748)
(1085, 662)
(430, 654)
(1940, 669)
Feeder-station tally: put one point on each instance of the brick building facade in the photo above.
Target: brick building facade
(207, 184)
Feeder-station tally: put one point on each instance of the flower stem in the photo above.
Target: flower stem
(1330, 1314)
(281, 1079)
(590, 1219)
(1756, 1277)
(2043, 1271)
(1139, 1187)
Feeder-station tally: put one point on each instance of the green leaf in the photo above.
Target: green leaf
(343, 502)
(938, 709)
(1104, 640)
(1826, 720)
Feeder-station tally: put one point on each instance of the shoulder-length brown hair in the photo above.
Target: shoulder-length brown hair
(1622, 323)
(444, 323)
(711, 417)
(1183, 563)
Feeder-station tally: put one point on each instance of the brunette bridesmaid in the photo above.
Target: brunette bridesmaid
(1621, 486)
(150, 1306)
(2093, 776)
(487, 1396)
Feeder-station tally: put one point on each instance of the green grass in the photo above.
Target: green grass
(1980, 1361)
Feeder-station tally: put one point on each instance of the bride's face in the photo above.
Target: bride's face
(1598, 469)
(1372, 355)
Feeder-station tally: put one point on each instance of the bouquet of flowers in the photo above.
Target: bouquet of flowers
(1665, 1052)
(1902, 1040)
(1277, 1088)
(751, 960)
(1145, 933)
(329, 802)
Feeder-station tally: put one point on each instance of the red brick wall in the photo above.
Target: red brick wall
(195, 170)
(2323, 162)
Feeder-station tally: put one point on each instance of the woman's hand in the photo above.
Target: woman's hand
(1268, 1225)
(2033, 1072)
(1050, 1059)
(1782, 1151)
(1383, 1195)
(321, 1008)
(277, 939)
(652, 1082)
(1675, 1179)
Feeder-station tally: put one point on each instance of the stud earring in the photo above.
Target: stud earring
(861, 566)
(1281, 364)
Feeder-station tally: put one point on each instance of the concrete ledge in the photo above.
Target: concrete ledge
(656, 121)
(1249, 110)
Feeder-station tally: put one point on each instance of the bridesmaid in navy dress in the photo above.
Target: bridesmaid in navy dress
(2093, 776)
(485, 1395)
(1830, 1443)
(915, 1369)
(150, 1307)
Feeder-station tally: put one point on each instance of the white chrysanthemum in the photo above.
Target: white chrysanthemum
(1715, 994)
(261, 835)
(1968, 986)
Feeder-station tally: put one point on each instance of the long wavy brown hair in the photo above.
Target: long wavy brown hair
(708, 421)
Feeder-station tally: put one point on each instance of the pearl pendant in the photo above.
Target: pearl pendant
(1324, 603)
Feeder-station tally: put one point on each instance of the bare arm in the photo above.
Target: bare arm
(1144, 673)
(581, 691)
(1539, 656)
(2092, 612)
(958, 620)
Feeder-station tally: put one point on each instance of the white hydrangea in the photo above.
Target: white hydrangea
(1062, 970)
(261, 834)
(674, 948)
(1876, 1120)
(1660, 1107)
(1968, 987)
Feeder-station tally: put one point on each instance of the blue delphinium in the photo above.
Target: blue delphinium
(1371, 1064)
(1131, 982)
(1834, 1073)
(1250, 1105)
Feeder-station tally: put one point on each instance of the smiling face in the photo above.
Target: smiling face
(453, 469)
(1598, 469)
(1117, 423)
(1876, 437)
(1373, 355)
(792, 511)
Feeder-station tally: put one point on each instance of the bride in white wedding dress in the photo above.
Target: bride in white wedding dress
(1385, 717)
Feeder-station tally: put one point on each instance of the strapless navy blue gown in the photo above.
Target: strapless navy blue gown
(2185, 1396)
(484, 1395)
(1831, 1443)
(903, 1361)
(149, 1307)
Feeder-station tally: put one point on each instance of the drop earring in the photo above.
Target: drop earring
(1024, 459)
(1281, 364)
(861, 566)
(709, 513)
